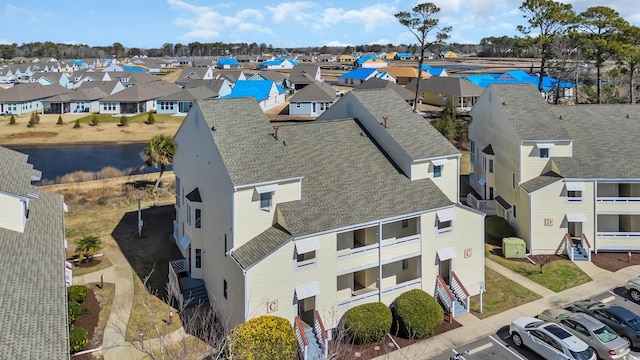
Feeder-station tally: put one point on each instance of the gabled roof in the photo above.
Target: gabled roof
(34, 295)
(259, 247)
(447, 85)
(315, 92)
(375, 83)
(404, 71)
(88, 94)
(540, 182)
(257, 89)
(303, 74)
(272, 75)
(194, 196)
(105, 86)
(143, 92)
(232, 76)
(191, 94)
(214, 84)
(32, 91)
(196, 73)
(359, 73)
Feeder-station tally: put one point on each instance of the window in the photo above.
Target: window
(405, 264)
(544, 153)
(514, 211)
(189, 214)
(574, 196)
(198, 218)
(490, 193)
(306, 258)
(225, 245)
(437, 171)
(198, 258)
(177, 191)
(484, 164)
(298, 105)
(405, 223)
(513, 181)
(224, 288)
(444, 226)
(266, 200)
(491, 166)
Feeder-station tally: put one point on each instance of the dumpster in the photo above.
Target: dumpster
(513, 247)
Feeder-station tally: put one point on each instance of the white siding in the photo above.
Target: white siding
(12, 212)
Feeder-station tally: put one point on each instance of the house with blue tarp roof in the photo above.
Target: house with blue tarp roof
(437, 71)
(549, 84)
(404, 56)
(357, 76)
(228, 63)
(134, 68)
(266, 92)
(278, 64)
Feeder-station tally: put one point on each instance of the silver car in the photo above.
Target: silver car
(633, 289)
(601, 338)
(549, 340)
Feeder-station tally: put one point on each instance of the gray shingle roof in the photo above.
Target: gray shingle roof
(605, 145)
(244, 138)
(316, 91)
(31, 91)
(447, 85)
(303, 74)
(375, 83)
(410, 130)
(213, 84)
(541, 181)
(273, 75)
(191, 94)
(529, 114)
(15, 173)
(33, 306)
(259, 247)
(144, 91)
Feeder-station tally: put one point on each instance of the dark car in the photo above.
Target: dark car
(620, 319)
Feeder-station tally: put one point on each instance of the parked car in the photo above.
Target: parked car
(620, 319)
(549, 340)
(633, 289)
(601, 338)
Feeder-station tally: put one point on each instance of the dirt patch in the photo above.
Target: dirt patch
(615, 261)
(38, 134)
(386, 346)
(90, 321)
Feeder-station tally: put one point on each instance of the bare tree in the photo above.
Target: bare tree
(420, 22)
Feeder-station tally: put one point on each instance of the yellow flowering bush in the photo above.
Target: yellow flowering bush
(265, 337)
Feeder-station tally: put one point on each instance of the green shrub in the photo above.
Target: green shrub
(95, 120)
(60, 122)
(497, 227)
(124, 121)
(417, 314)
(77, 293)
(32, 121)
(265, 337)
(368, 323)
(151, 118)
(76, 310)
(12, 120)
(77, 124)
(78, 339)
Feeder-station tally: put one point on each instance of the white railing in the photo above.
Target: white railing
(401, 241)
(486, 206)
(359, 299)
(301, 337)
(443, 292)
(174, 279)
(305, 263)
(348, 253)
(459, 290)
(568, 244)
(617, 199)
(618, 234)
(587, 246)
(402, 287)
(321, 333)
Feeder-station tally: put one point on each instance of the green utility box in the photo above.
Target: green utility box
(513, 247)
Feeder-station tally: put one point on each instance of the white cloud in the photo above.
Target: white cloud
(370, 17)
(291, 11)
(5, 42)
(12, 11)
(336, 43)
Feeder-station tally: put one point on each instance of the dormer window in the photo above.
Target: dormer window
(437, 166)
(544, 153)
(543, 149)
(266, 195)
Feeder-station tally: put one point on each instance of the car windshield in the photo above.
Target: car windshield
(605, 334)
(582, 355)
(634, 322)
(558, 331)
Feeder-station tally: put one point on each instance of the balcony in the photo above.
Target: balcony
(486, 206)
(618, 196)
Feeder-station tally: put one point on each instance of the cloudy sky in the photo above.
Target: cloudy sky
(136, 23)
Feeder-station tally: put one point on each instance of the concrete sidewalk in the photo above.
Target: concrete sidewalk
(474, 328)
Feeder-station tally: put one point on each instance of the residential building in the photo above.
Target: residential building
(306, 221)
(451, 92)
(197, 73)
(266, 92)
(357, 76)
(561, 175)
(33, 319)
(25, 98)
(180, 102)
(227, 63)
(404, 74)
(137, 98)
(375, 83)
(313, 99)
(278, 64)
(303, 75)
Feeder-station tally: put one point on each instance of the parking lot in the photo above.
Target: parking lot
(500, 346)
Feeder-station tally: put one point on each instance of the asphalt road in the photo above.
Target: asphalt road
(499, 345)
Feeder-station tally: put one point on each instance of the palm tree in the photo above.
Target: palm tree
(89, 245)
(160, 152)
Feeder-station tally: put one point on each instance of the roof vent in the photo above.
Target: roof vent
(504, 103)
(362, 134)
(213, 128)
(627, 116)
(385, 118)
(560, 117)
(275, 131)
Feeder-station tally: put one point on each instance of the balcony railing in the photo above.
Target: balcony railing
(306, 263)
(175, 268)
(321, 333)
(369, 296)
(401, 241)
(351, 252)
(486, 206)
(617, 199)
(402, 287)
(618, 234)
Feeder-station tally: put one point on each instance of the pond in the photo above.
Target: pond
(57, 160)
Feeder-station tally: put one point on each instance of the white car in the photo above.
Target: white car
(549, 340)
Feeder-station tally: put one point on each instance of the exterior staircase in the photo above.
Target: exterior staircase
(313, 341)
(454, 296)
(580, 253)
(314, 351)
(195, 295)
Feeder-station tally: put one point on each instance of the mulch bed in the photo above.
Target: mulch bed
(88, 264)
(89, 322)
(44, 134)
(370, 351)
(615, 261)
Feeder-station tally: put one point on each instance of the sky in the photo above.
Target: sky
(282, 24)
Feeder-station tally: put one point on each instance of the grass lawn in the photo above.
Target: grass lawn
(189, 348)
(465, 163)
(557, 275)
(501, 294)
(139, 118)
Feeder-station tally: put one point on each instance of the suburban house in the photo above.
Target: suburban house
(436, 71)
(34, 293)
(227, 63)
(25, 98)
(232, 76)
(357, 76)
(451, 92)
(447, 54)
(197, 73)
(266, 92)
(371, 63)
(50, 78)
(404, 56)
(221, 86)
(375, 83)
(180, 102)
(313, 99)
(109, 87)
(559, 174)
(404, 74)
(306, 221)
(137, 99)
(279, 78)
(303, 75)
(79, 101)
(346, 58)
(278, 64)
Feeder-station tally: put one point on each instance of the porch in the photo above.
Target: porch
(186, 290)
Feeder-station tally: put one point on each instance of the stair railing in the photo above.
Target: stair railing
(321, 333)
(303, 342)
(445, 294)
(459, 290)
(587, 246)
(569, 246)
